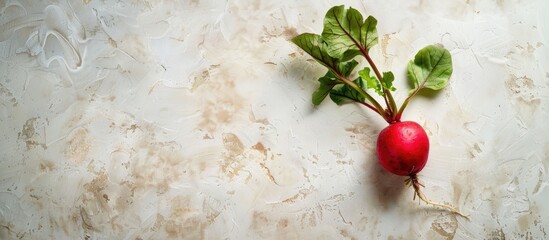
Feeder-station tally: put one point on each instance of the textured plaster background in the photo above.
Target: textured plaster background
(193, 120)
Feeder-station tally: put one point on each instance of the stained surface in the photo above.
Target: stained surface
(193, 120)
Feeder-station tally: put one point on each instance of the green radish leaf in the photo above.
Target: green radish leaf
(342, 94)
(346, 33)
(349, 54)
(371, 82)
(315, 46)
(329, 80)
(431, 68)
(346, 68)
(387, 82)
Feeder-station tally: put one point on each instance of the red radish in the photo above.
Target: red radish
(402, 147)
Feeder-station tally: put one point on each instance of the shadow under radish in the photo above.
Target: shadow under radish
(387, 186)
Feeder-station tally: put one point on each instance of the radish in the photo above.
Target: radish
(402, 147)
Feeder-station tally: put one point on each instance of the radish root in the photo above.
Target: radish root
(414, 182)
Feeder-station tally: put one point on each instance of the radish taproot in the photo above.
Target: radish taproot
(403, 146)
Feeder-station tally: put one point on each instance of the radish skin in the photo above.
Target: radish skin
(403, 148)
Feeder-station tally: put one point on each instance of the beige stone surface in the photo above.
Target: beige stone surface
(193, 120)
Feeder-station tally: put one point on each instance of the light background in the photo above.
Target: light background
(193, 120)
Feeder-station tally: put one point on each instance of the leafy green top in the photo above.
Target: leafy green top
(345, 36)
(431, 67)
(346, 33)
